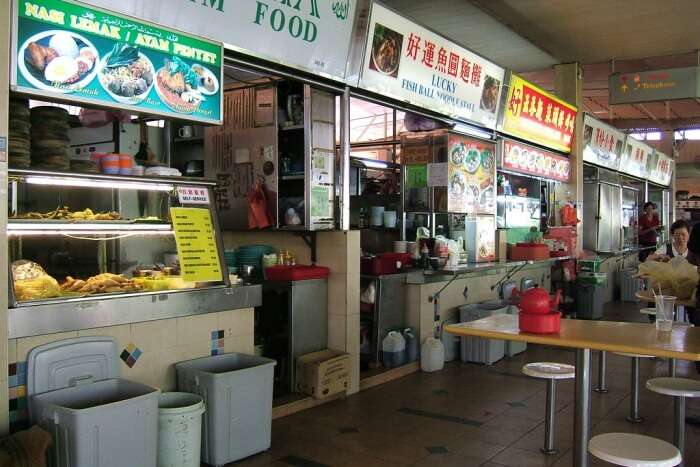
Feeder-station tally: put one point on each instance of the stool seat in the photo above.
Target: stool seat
(549, 370)
(632, 355)
(633, 450)
(678, 387)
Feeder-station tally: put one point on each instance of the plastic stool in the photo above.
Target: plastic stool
(679, 388)
(634, 417)
(551, 372)
(632, 450)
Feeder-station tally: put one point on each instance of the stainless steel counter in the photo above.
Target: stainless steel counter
(478, 269)
(78, 314)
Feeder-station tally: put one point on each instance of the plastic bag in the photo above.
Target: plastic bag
(33, 289)
(93, 118)
(258, 214)
(370, 294)
(568, 214)
(677, 277)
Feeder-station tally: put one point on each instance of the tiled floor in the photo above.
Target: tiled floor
(471, 415)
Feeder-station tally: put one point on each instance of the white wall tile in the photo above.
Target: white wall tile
(25, 344)
(197, 328)
(11, 350)
(337, 326)
(122, 334)
(353, 334)
(155, 335)
(237, 322)
(240, 344)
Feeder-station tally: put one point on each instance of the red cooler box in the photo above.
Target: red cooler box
(386, 263)
(296, 273)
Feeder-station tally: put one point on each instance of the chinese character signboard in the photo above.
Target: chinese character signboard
(310, 35)
(529, 160)
(471, 183)
(193, 195)
(659, 168)
(655, 85)
(73, 52)
(602, 144)
(537, 116)
(410, 63)
(634, 158)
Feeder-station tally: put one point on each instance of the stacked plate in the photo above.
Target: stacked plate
(19, 131)
(252, 255)
(84, 165)
(230, 259)
(50, 140)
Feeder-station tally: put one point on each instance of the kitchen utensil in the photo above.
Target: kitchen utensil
(412, 249)
(536, 300)
(185, 131)
(438, 263)
(377, 216)
(246, 271)
(194, 168)
(548, 323)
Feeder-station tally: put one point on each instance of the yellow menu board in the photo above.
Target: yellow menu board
(196, 245)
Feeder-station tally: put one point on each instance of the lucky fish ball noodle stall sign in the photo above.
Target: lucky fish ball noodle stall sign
(413, 64)
(77, 53)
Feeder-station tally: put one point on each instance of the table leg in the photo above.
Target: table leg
(672, 367)
(679, 425)
(582, 413)
(602, 384)
(634, 393)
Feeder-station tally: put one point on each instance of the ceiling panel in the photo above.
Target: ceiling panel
(591, 31)
(471, 27)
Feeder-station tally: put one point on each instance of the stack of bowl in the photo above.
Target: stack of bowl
(50, 140)
(19, 130)
(251, 255)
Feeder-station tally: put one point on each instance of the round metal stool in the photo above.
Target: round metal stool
(632, 450)
(551, 372)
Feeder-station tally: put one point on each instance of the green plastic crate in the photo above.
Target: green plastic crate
(593, 278)
(588, 265)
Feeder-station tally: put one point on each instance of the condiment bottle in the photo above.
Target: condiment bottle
(425, 257)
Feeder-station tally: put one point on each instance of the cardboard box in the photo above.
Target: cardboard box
(323, 373)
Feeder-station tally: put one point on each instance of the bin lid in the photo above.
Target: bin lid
(71, 362)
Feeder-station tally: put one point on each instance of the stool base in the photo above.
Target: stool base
(634, 419)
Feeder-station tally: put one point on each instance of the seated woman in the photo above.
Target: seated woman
(680, 233)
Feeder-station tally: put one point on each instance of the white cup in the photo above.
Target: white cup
(390, 219)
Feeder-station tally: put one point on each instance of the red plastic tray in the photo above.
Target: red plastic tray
(296, 273)
(386, 263)
(540, 324)
(528, 251)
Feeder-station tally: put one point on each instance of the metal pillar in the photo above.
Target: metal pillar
(602, 377)
(634, 393)
(549, 426)
(582, 412)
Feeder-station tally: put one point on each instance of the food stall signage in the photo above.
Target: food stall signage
(416, 176)
(310, 35)
(602, 144)
(410, 63)
(80, 54)
(537, 116)
(192, 195)
(659, 168)
(529, 160)
(635, 157)
(471, 176)
(655, 85)
(196, 244)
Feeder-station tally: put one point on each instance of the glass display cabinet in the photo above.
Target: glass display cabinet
(91, 250)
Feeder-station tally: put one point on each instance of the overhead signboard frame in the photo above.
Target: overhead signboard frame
(411, 63)
(537, 116)
(655, 85)
(73, 52)
(602, 144)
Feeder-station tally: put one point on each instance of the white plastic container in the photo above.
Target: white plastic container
(179, 429)
(393, 350)
(95, 419)
(432, 355)
(237, 390)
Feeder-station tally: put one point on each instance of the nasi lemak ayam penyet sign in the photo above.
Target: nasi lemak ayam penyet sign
(411, 63)
(82, 54)
(310, 35)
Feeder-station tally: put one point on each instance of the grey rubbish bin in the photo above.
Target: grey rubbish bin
(237, 391)
(589, 301)
(477, 349)
(95, 419)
